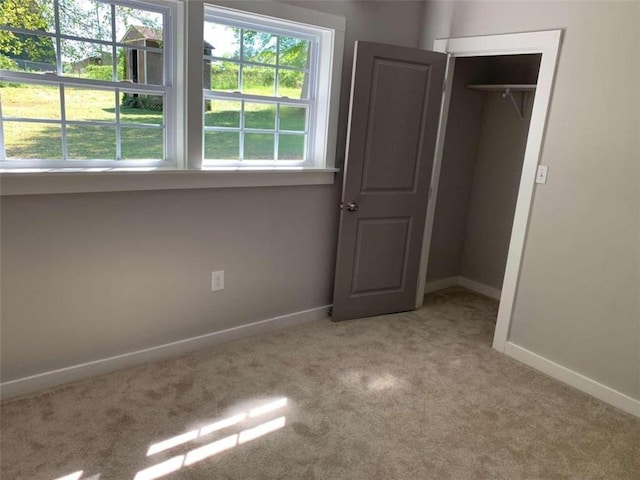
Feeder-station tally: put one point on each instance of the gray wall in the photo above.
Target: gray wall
(89, 276)
(94, 275)
(456, 174)
(577, 300)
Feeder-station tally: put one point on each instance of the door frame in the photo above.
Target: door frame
(546, 43)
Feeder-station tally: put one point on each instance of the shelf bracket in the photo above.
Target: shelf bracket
(519, 105)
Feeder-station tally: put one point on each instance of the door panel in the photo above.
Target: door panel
(393, 120)
(385, 239)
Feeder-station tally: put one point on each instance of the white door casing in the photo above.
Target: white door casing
(546, 43)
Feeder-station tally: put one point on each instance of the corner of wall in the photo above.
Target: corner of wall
(436, 22)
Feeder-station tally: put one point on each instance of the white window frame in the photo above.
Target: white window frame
(116, 87)
(223, 16)
(328, 32)
(187, 171)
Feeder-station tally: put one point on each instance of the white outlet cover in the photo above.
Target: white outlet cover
(217, 280)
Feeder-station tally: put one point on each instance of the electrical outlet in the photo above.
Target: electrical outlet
(217, 280)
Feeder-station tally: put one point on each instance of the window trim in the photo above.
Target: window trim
(56, 181)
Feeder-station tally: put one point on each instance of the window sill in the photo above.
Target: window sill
(50, 182)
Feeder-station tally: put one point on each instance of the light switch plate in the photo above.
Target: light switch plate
(541, 174)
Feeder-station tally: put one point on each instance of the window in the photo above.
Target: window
(96, 85)
(267, 86)
(259, 93)
(84, 83)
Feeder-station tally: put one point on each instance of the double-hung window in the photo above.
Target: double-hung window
(85, 83)
(266, 91)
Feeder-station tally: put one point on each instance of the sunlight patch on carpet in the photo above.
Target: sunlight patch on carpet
(216, 426)
(201, 453)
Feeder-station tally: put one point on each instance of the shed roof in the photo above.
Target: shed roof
(140, 32)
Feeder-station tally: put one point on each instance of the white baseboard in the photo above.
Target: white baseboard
(575, 379)
(31, 384)
(480, 288)
(440, 284)
(463, 282)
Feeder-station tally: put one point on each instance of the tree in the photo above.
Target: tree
(89, 19)
(262, 47)
(30, 15)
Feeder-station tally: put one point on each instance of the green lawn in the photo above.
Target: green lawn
(29, 140)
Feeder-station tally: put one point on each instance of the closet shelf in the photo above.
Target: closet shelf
(516, 87)
(507, 92)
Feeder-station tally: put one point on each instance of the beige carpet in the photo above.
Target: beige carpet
(419, 395)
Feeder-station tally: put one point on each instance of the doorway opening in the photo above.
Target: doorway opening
(497, 95)
(487, 128)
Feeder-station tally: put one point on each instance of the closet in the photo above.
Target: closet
(488, 124)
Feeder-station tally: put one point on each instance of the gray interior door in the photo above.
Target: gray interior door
(393, 121)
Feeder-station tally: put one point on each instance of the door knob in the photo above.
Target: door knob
(350, 206)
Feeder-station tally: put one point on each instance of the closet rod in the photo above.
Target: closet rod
(508, 90)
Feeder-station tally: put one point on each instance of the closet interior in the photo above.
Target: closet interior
(487, 128)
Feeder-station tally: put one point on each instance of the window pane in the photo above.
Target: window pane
(293, 118)
(39, 17)
(291, 147)
(87, 60)
(27, 53)
(138, 27)
(224, 76)
(85, 18)
(88, 104)
(260, 115)
(258, 146)
(294, 52)
(222, 113)
(88, 142)
(259, 47)
(31, 101)
(293, 84)
(221, 40)
(140, 66)
(141, 108)
(142, 143)
(258, 80)
(33, 141)
(222, 145)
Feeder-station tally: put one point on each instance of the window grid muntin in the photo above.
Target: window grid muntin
(58, 38)
(65, 36)
(213, 58)
(241, 62)
(118, 124)
(62, 80)
(266, 26)
(307, 103)
(242, 129)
